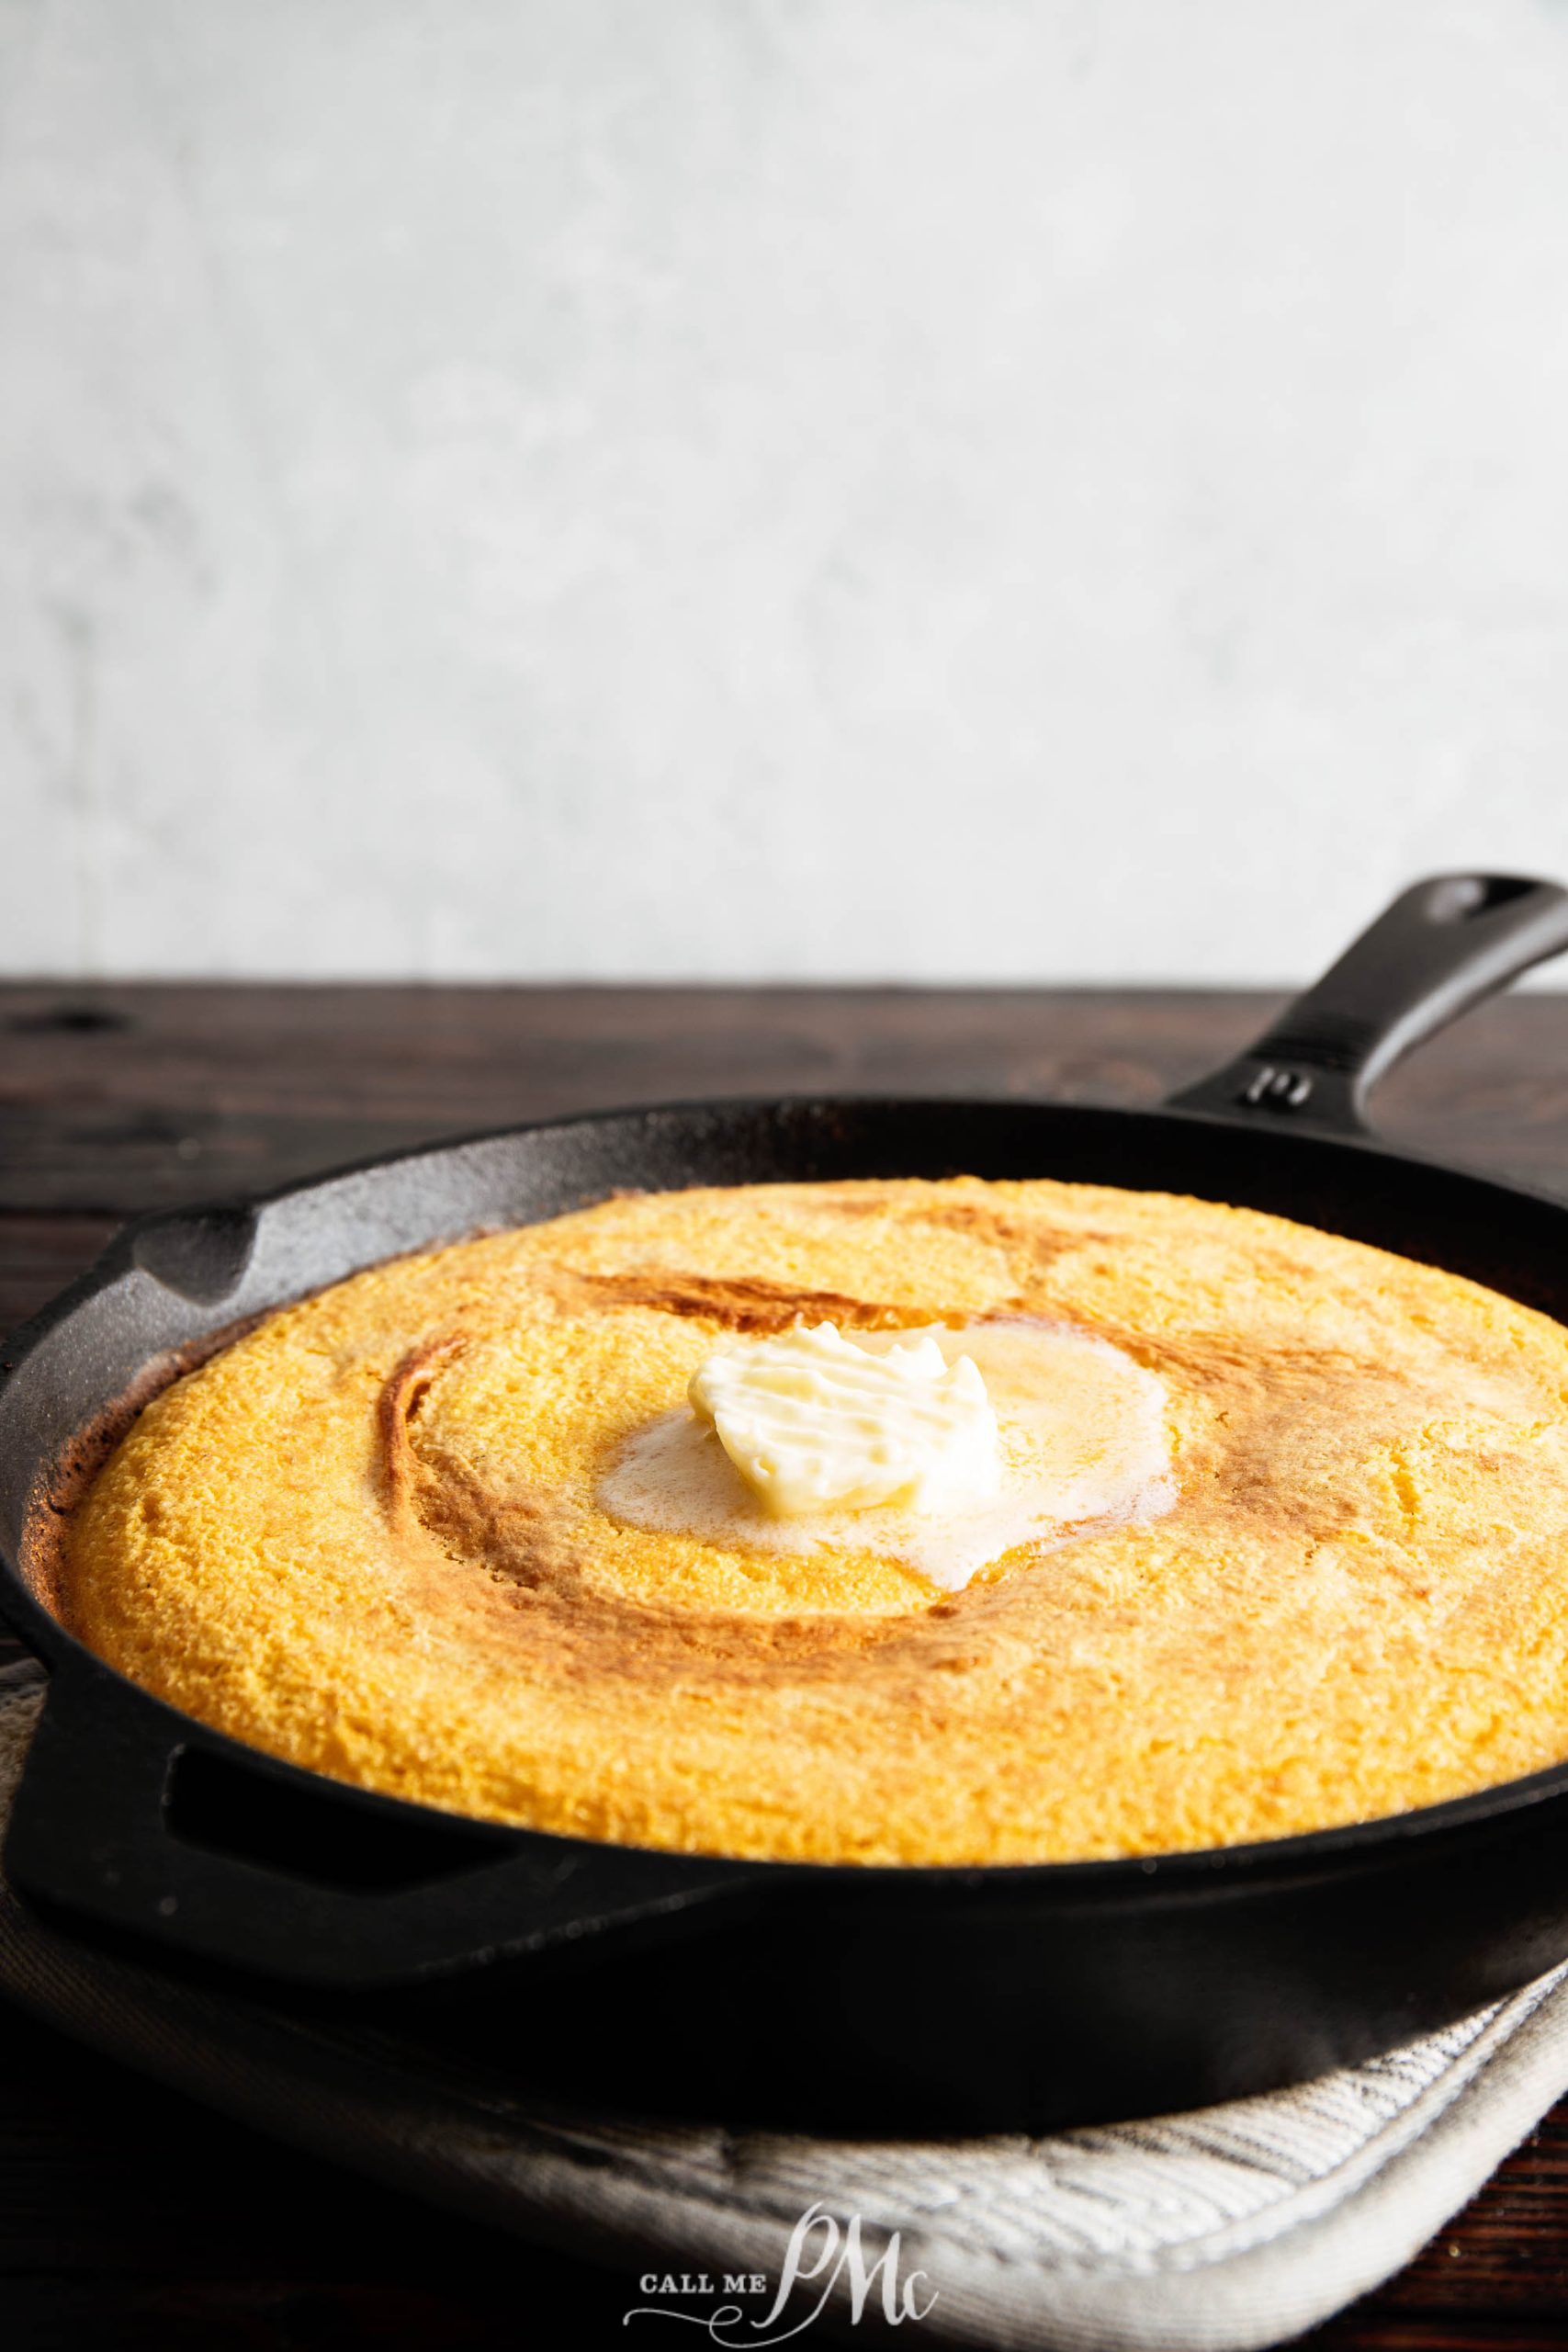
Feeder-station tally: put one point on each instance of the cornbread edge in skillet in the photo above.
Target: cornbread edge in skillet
(366, 1537)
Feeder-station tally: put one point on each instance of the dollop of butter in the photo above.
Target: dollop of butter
(815, 1423)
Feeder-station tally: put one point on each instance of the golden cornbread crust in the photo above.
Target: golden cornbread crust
(366, 1537)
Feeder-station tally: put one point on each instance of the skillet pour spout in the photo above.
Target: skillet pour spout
(846, 1996)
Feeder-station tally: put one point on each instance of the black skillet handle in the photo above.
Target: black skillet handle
(1442, 945)
(126, 1819)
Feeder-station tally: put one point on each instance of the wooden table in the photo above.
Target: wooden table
(129, 2216)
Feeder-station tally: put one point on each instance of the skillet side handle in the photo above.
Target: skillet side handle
(321, 1886)
(1440, 947)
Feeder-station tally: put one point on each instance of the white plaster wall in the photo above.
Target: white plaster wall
(1065, 489)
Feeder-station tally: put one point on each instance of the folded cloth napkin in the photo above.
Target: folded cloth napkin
(1234, 2227)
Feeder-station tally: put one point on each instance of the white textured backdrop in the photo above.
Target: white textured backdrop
(1073, 489)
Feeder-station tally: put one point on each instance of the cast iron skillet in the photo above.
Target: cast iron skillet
(863, 1998)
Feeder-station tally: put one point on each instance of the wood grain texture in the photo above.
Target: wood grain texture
(129, 2216)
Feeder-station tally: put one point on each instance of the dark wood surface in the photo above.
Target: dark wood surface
(129, 2216)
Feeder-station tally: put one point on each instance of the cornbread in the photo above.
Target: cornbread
(372, 1536)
